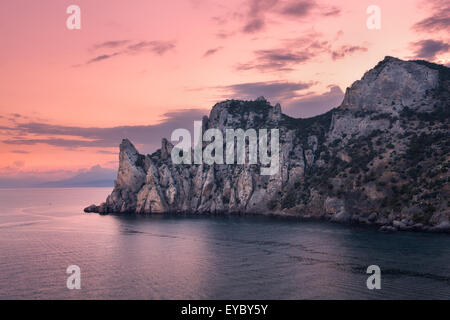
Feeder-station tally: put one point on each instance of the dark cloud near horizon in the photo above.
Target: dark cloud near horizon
(275, 91)
(428, 49)
(289, 94)
(315, 104)
(92, 176)
(148, 137)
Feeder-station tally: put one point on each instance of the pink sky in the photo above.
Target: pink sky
(66, 95)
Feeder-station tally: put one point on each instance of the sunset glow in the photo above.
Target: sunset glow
(139, 69)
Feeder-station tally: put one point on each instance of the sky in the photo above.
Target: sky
(139, 69)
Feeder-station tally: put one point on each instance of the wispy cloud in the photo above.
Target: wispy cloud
(125, 47)
(346, 50)
(258, 11)
(212, 51)
(110, 44)
(439, 20)
(158, 47)
(275, 60)
(331, 12)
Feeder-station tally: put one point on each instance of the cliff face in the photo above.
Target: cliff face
(382, 157)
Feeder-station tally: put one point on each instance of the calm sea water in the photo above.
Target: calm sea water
(43, 231)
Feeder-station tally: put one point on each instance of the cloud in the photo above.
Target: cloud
(210, 52)
(254, 25)
(258, 11)
(346, 50)
(332, 12)
(428, 49)
(314, 104)
(298, 8)
(147, 137)
(224, 35)
(255, 19)
(273, 90)
(296, 51)
(285, 58)
(275, 60)
(110, 44)
(439, 19)
(20, 151)
(96, 176)
(102, 57)
(289, 94)
(156, 47)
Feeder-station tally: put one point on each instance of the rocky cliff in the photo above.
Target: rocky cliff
(382, 157)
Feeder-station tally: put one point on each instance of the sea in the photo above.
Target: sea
(44, 232)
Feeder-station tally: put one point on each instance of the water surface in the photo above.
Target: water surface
(43, 231)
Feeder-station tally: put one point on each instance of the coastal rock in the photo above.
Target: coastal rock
(91, 208)
(385, 148)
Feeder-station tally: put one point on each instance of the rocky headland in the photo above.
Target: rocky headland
(380, 158)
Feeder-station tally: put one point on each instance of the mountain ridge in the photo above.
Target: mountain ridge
(381, 158)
